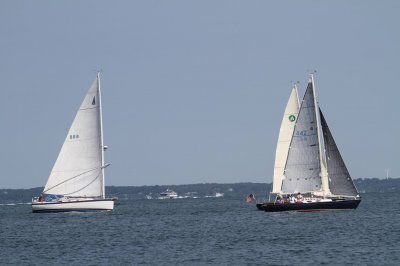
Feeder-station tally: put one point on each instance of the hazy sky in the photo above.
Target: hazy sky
(194, 91)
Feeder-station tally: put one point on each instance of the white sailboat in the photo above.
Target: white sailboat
(76, 182)
(313, 167)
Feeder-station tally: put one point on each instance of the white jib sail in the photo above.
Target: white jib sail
(78, 170)
(285, 136)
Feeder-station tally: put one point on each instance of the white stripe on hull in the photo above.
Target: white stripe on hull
(87, 205)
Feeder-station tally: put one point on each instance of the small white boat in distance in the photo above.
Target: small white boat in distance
(168, 194)
(215, 195)
(76, 182)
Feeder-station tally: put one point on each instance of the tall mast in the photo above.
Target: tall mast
(322, 157)
(101, 138)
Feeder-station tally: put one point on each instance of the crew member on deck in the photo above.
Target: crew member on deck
(279, 200)
(299, 197)
(292, 199)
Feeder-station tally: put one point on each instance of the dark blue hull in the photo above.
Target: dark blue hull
(312, 206)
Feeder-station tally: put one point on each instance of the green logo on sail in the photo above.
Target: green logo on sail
(292, 118)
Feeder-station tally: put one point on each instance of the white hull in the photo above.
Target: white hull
(68, 206)
(168, 194)
(168, 197)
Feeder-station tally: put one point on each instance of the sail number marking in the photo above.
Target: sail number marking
(302, 134)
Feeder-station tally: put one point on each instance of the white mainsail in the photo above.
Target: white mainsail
(79, 168)
(285, 136)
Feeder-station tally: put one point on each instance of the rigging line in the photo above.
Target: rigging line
(84, 186)
(72, 178)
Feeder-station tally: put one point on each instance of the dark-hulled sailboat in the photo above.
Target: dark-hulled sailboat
(310, 173)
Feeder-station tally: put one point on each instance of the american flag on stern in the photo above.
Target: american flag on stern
(250, 198)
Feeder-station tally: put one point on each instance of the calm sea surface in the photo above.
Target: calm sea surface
(210, 231)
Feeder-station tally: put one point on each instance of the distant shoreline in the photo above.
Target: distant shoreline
(229, 190)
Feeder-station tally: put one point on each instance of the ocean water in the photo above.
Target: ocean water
(210, 231)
